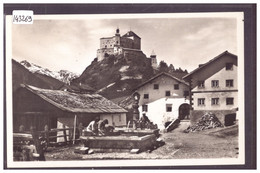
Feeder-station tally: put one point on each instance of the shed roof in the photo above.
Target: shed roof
(161, 74)
(201, 66)
(75, 102)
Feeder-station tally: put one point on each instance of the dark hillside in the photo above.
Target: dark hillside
(20, 75)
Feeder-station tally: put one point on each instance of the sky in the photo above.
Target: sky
(66, 44)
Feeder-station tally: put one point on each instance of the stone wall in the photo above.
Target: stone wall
(101, 53)
(134, 43)
(124, 42)
(130, 54)
(109, 42)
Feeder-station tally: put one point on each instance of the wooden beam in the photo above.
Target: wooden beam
(74, 130)
(65, 135)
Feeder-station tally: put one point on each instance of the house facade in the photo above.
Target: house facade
(162, 98)
(213, 85)
(39, 107)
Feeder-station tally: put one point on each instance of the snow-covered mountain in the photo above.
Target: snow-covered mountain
(62, 75)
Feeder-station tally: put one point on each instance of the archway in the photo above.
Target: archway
(106, 55)
(184, 111)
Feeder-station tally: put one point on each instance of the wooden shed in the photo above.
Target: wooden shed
(38, 107)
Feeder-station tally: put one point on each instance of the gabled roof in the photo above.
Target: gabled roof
(209, 62)
(130, 34)
(74, 102)
(161, 74)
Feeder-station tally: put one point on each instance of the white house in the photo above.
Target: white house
(164, 98)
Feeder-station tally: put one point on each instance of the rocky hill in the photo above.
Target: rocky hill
(21, 75)
(62, 75)
(117, 75)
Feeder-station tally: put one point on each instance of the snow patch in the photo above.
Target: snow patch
(111, 85)
(102, 89)
(124, 68)
(131, 77)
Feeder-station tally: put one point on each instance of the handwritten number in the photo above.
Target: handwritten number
(22, 18)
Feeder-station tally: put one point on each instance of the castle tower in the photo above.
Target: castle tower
(117, 44)
(117, 38)
(117, 32)
(153, 59)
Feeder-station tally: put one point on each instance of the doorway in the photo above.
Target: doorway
(184, 111)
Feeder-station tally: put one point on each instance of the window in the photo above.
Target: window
(229, 83)
(146, 96)
(201, 101)
(214, 83)
(168, 107)
(156, 86)
(230, 101)
(144, 108)
(167, 93)
(201, 84)
(176, 86)
(229, 66)
(186, 93)
(214, 101)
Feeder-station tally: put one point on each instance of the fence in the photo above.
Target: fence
(59, 136)
(42, 140)
(53, 137)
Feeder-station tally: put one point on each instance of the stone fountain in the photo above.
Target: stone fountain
(125, 139)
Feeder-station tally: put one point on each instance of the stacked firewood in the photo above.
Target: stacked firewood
(207, 121)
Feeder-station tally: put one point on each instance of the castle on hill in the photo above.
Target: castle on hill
(128, 44)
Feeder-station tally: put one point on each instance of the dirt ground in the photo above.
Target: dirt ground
(213, 143)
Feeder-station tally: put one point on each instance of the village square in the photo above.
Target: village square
(167, 113)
